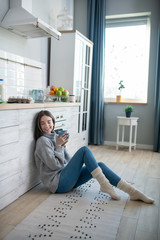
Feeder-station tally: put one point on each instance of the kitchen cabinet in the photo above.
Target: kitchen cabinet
(9, 160)
(70, 67)
(18, 172)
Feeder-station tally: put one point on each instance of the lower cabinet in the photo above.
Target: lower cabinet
(9, 157)
(18, 172)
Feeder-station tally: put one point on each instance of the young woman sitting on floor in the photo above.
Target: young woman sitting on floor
(61, 173)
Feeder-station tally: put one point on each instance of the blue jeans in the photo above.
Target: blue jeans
(75, 174)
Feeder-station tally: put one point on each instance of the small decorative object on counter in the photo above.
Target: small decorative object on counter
(38, 95)
(72, 98)
(58, 94)
(2, 91)
(20, 100)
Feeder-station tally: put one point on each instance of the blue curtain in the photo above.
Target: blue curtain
(96, 33)
(157, 102)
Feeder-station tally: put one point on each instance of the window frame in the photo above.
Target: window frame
(132, 19)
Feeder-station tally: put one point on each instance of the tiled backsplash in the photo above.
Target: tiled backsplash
(21, 75)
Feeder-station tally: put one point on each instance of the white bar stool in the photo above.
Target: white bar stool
(124, 121)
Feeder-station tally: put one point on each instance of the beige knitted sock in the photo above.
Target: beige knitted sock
(104, 183)
(134, 193)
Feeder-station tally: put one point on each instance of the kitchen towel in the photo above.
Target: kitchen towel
(84, 213)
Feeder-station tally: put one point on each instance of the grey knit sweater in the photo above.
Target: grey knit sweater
(50, 160)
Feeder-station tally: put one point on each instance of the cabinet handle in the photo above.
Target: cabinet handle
(84, 139)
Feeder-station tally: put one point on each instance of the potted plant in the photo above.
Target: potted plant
(121, 86)
(128, 109)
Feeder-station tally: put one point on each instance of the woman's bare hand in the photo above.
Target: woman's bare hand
(62, 140)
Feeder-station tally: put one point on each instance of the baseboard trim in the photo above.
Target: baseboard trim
(139, 146)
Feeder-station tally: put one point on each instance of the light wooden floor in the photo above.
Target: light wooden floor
(140, 221)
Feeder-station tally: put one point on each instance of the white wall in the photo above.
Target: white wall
(21, 75)
(145, 113)
(51, 9)
(80, 16)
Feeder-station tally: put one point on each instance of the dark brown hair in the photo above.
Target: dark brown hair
(38, 131)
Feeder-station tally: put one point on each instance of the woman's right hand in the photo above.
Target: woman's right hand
(62, 140)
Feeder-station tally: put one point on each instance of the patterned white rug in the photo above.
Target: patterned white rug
(84, 213)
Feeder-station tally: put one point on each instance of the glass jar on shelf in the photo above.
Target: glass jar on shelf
(64, 21)
(2, 91)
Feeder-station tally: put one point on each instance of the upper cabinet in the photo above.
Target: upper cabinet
(70, 67)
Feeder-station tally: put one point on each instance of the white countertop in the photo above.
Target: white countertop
(14, 106)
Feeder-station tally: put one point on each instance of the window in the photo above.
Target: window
(127, 58)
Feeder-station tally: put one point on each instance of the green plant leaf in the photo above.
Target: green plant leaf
(129, 108)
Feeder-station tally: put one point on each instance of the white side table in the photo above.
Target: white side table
(123, 121)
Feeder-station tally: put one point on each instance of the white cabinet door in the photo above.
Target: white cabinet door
(71, 64)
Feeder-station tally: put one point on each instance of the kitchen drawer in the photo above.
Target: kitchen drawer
(26, 134)
(9, 184)
(9, 198)
(9, 135)
(26, 155)
(29, 178)
(27, 116)
(9, 152)
(9, 118)
(9, 168)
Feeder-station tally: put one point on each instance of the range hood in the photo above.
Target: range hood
(20, 20)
